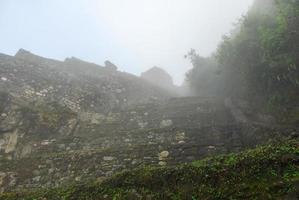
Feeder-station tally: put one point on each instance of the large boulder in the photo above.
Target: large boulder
(159, 77)
(110, 66)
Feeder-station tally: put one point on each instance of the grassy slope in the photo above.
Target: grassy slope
(267, 172)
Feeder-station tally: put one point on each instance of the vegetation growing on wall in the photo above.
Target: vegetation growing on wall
(259, 59)
(45, 117)
(267, 172)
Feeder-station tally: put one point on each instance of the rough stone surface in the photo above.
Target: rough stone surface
(166, 123)
(160, 77)
(72, 121)
(163, 155)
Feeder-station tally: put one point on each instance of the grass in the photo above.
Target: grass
(266, 172)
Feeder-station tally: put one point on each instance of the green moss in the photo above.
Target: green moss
(50, 116)
(266, 172)
(53, 115)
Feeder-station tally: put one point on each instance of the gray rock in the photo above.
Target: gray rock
(36, 172)
(36, 179)
(61, 146)
(4, 79)
(166, 123)
(3, 115)
(51, 170)
(108, 158)
(163, 155)
(142, 125)
(162, 163)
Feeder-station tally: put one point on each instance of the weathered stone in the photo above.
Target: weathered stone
(2, 144)
(134, 162)
(101, 123)
(108, 158)
(36, 179)
(36, 172)
(101, 179)
(166, 123)
(12, 140)
(142, 124)
(190, 158)
(12, 179)
(162, 163)
(163, 155)
(211, 147)
(109, 65)
(180, 136)
(127, 140)
(26, 150)
(2, 177)
(159, 77)
(61, 146)
(45, 142)
(51, 170)
(4, 79)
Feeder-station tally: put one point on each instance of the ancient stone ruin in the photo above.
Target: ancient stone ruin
(159, 77)
(68, 121)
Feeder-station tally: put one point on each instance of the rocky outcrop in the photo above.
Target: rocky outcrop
(42, 99)
(161, 133)
(159, 77)
(110, 66)
(10, 141)
(75, 83)
(69, 121)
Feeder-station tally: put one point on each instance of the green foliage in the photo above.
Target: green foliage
(53, 115)
(260, 57)
(280, 47)
(43, 117)
(267, 172)
(203, 76)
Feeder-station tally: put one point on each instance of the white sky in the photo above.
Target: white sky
(134, 34)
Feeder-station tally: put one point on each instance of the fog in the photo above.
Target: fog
(134, 34)
(149, 99)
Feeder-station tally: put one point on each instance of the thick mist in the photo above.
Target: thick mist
(134, 34)
(149, 99)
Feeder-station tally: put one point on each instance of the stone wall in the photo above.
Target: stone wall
(61, 123)
(80, 85)
(163, 133)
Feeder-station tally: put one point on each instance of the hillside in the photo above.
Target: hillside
(79, 85)
(266, 172)
(49, 106)
(159, 77)
(74, 121)
(71, 129)
(50, 145)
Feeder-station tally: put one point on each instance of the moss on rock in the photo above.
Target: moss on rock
(266, 172)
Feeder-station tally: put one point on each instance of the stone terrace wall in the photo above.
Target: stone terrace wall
(165, 133)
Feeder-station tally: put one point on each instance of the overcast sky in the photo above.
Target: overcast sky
(134, 34)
